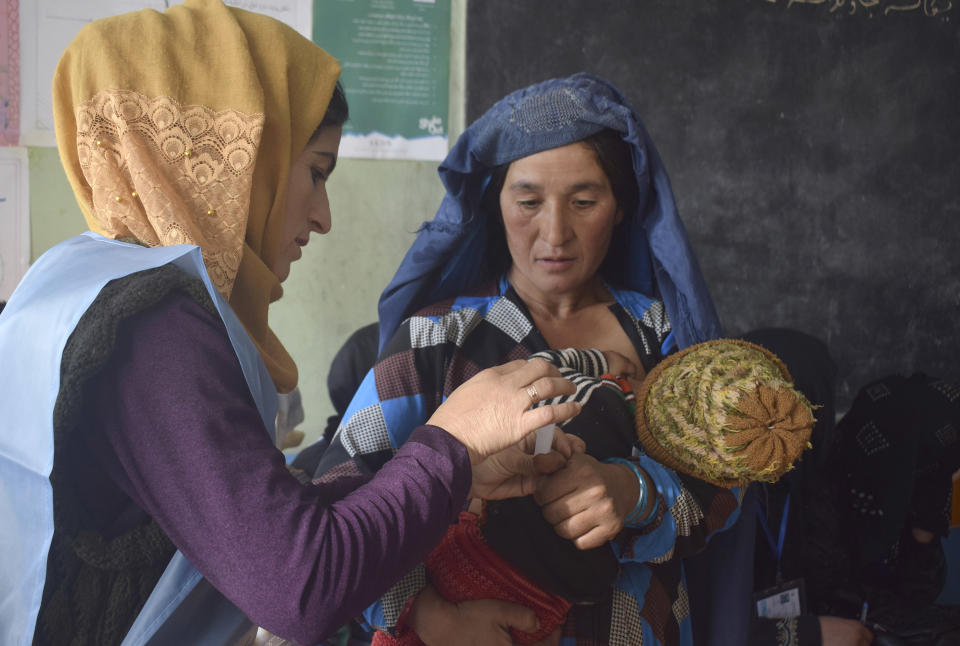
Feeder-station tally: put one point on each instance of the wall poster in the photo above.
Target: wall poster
(396, 72)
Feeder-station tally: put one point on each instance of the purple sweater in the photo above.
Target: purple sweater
(172, 432)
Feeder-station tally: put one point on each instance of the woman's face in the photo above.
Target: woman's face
(559, 213)
(308, 209)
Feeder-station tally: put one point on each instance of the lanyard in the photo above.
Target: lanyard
(776, 545)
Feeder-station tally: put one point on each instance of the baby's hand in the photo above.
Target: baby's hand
(619, 365)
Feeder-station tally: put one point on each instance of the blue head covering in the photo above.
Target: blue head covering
(650, 250)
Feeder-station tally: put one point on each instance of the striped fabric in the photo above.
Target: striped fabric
(445, 344)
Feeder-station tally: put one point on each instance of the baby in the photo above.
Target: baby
(723, 411)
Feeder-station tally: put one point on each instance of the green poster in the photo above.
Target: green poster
(396, 72)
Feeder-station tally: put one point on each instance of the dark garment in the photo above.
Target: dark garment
(352, 361)
(96, 581)
(793, 631)
(897, 448)
(889, 473)
(813, 372)
(193, 455)
(349, 365)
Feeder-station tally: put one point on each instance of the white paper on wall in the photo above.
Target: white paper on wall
(296, 13)
(48, 26)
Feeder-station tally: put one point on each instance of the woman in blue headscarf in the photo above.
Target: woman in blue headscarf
(558, 230)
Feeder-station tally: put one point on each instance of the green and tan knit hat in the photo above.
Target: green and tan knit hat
(724, 411)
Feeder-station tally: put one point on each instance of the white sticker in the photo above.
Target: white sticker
(782, 604)
(544, 439)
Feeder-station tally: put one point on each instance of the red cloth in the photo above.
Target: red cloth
(464, 568)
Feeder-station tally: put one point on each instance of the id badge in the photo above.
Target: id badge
(788, 599)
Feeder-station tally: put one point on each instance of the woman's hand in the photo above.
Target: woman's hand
(491, 411)
(481, 623)
(586, 501)
(836, 631)
(515, 471)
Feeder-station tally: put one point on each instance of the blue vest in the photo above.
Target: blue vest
(34, 327)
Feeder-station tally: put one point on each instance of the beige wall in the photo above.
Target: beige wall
(333, 289)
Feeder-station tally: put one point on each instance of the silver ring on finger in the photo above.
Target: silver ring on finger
(533, 394)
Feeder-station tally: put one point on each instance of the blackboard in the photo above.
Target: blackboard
(813, 147)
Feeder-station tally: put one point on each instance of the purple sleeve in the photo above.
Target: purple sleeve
(177, 430)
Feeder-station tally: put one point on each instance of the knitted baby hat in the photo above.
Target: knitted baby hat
(724, 411)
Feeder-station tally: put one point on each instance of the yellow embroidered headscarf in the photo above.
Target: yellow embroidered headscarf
(181, 126)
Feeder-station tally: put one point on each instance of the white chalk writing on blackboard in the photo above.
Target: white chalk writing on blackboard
(886, 7)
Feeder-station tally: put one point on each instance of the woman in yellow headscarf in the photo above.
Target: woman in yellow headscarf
(135, 448)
